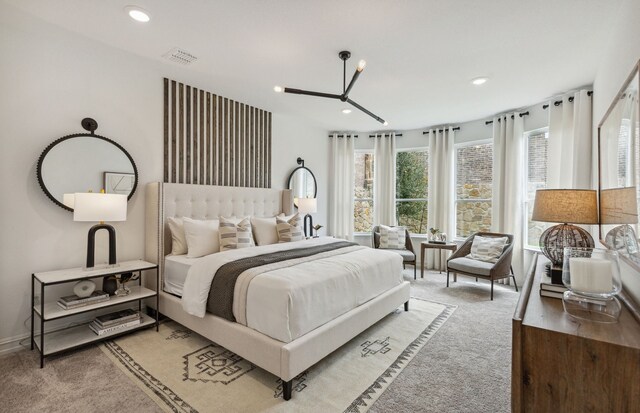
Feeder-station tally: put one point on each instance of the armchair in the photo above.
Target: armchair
(408, 255)
(459, 263)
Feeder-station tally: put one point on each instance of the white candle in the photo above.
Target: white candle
(591, 275)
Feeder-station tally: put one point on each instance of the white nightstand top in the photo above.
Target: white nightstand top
(71, 274)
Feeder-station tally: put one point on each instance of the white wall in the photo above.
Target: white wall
(51, 79)
(617, 60)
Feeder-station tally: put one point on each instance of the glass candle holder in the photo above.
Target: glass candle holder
(592, 276)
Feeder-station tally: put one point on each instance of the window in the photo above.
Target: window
(412, 181)
(474, 169)
(536, 178)
(363, 193)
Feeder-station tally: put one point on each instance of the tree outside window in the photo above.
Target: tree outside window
(363, 192)
(412, 187)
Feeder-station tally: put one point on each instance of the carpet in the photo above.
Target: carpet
(184, 372)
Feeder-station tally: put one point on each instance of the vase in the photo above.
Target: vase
(109, 284)
(592, 276)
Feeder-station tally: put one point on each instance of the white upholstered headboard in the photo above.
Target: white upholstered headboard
(165, 200)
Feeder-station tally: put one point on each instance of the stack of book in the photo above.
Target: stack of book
(547, 289)
(114, 322)
(73, 301)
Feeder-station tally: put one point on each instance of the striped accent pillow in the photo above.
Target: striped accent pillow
(289, 230)
(392, 237)
(487, 249)
(234, 236)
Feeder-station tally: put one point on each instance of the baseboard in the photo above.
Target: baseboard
(12, 344)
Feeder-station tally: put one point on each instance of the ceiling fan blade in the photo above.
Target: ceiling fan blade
(376, 117)
(310, 93)
(353, 80)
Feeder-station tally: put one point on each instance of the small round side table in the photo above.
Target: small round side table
(441, 247)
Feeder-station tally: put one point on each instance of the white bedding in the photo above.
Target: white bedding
(175, 272)
(286, 303)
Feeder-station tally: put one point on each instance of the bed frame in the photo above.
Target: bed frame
(285, 360)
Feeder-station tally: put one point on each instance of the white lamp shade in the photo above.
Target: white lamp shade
(68, 200)
(90, 206)
(307, 205)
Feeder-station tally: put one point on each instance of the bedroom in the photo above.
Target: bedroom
(75, 60)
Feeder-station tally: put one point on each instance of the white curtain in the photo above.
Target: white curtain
(384, 180)
(440, 208)
(342, 191)
(569, 152)
(508, 168)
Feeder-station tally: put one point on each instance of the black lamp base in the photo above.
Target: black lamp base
(554, 272)
(91, 244)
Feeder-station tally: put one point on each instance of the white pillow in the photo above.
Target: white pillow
(392, 237)
(487, 249)
(202, 237)
(264, 230)
(289, 230)
(234, 236)
(178, 240)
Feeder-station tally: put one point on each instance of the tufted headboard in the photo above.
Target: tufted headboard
(165, 200)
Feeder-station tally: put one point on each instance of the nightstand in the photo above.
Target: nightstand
(54, 342)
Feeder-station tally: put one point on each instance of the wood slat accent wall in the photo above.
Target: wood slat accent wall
(213, 140)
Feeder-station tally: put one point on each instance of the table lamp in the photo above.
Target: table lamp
(100, 207)
(619, 206)
(308, 206)
(567, 206)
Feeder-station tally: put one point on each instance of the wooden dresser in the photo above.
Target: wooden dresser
(562, 364)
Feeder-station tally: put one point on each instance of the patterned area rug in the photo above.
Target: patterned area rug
(184, 372)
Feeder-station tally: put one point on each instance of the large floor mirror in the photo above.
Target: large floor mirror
(619, 171)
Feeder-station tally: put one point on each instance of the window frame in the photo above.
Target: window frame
(525, 186)
(456, 146)
(426, 200)
(365, 151)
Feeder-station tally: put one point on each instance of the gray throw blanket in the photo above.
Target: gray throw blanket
(220, 301)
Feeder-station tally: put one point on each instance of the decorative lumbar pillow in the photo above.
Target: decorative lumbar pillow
(178, 240)
(234, 236)
(264, 230)
(487, 249)
(392, 237)
(289, 230)
(201, 236)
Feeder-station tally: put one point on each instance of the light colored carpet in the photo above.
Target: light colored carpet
(184, 372)
(464, 368)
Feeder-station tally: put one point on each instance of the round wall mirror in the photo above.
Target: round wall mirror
(85, 162)
(302, 182)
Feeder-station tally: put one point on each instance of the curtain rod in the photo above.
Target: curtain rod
(342, 136)
(559, 102)
(489, 122)
(383, 134)
(442, 130)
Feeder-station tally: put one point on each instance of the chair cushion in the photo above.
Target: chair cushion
(406, 254)
(470, 265)
(487, 248)
(392, 237)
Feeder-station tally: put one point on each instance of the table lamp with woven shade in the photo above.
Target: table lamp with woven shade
(566, 206)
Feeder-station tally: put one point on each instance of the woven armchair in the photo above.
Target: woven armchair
(408, 255)
(458, 263)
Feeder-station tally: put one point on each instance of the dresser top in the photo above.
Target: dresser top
(548, 314)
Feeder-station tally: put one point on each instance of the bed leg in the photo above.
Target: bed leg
(406, 306)
(286, 389)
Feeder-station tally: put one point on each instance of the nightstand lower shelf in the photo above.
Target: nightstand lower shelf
(81, 335)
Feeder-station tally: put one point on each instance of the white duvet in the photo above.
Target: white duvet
(287, 300)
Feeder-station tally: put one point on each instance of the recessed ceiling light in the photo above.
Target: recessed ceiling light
(479, 81)
(278, 89)
(138, 14)
(386, 123)
(346, 111)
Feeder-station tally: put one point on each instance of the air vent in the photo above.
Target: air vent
(180, 56)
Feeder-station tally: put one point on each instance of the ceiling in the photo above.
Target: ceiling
(421, 54)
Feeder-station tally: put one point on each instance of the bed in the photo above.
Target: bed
(284, 348)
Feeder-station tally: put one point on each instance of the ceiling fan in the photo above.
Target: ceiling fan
(344, 97)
